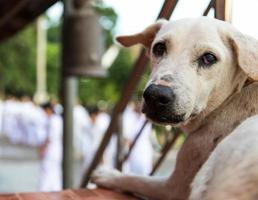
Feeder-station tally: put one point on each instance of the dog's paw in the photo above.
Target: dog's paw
(106, 178)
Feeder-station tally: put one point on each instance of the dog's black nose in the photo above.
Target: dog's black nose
(158, 96)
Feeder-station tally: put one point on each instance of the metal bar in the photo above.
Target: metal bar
(69, 97)
(134, 141)
(165, 151)
(132, 82)
(207, 10)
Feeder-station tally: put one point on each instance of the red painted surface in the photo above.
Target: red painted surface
(83, 194)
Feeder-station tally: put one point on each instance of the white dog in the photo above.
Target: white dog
(202, 80)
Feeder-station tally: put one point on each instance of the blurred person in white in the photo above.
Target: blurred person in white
(31, 122)
(51, 152)
(23, 121)
(102, 122)
(93, 136)
(140, 160)
(1, 116)
(82, 122)
(11, 115)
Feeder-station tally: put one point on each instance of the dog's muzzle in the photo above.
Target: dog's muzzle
(159, 104)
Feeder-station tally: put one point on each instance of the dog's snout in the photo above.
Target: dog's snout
(158, 96)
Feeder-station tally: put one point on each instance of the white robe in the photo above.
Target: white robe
(81, 123)
(140, 160)
(32, 122)
(51, 164)
(11, 121)
(93, 137)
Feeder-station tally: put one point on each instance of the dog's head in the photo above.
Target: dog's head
(196, 65)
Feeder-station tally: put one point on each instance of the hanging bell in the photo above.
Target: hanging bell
(83, 37)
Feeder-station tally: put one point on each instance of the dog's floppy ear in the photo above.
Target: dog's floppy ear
(246, 49)
(145, 37)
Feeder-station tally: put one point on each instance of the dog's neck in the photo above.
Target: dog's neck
(230, 113)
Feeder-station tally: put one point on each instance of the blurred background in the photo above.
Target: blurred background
(54, 112)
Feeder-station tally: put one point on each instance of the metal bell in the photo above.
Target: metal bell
(84, 40)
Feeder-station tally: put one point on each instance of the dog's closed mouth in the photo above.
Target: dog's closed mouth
(161, 119)
(163, 116)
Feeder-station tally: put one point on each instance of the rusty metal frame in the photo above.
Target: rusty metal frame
(139, 68)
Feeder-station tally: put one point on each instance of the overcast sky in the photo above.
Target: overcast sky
(135, 15)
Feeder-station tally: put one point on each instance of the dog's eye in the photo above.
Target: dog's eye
(207, 59)
(159, 49)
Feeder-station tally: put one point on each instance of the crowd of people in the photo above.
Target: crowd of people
(41, 126)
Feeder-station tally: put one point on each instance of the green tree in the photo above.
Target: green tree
(17, 61)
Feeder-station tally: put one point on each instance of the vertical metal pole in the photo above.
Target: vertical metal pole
(69, 94)
(69, 97)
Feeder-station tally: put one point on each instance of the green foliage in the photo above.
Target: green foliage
(53, 33)
(17, 61)
(53, 58)
(53, 68)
